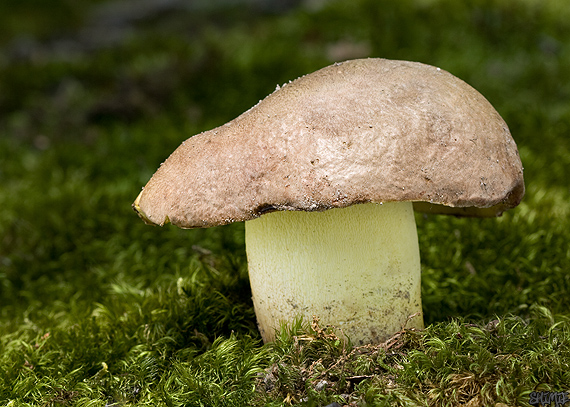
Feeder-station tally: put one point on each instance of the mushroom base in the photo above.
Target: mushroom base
(356, 268)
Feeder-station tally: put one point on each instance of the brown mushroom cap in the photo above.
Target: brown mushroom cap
(369, 130)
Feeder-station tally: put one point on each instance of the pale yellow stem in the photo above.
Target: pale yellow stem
(357, 268)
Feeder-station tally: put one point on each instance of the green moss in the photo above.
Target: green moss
(98, 309)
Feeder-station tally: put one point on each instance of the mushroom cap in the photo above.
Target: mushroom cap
(367, 130)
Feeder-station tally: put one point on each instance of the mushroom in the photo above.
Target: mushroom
(326, 172)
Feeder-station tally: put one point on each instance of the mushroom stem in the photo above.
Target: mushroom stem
(356, 268)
